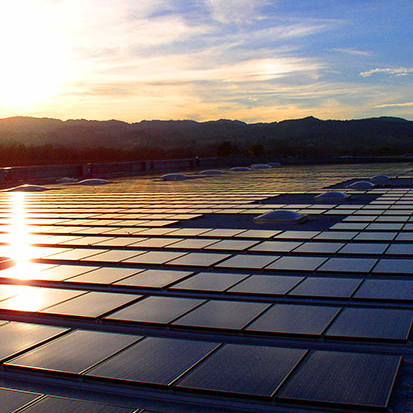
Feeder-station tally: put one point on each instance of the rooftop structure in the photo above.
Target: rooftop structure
(166, 296)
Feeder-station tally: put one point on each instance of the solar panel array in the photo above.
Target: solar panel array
(148, 293)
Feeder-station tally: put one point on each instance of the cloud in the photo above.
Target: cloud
(351, 51)
(395, 71)
(391, 105)
(229, 11)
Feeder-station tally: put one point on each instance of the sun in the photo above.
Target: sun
(33, 61)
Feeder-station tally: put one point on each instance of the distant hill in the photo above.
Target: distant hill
(78, 139)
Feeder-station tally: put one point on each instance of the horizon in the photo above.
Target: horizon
(203, 121)
(248, 60)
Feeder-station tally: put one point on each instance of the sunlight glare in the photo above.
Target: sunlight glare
(20, 249)
(33, 61)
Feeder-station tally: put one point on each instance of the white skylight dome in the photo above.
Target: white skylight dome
(27, 188)
(260, 166)
(94, 181)
(240, 169)
(212, 172)
(281, 215)
(333, 196)
(380, 179)
(362, 185)
(175, 177)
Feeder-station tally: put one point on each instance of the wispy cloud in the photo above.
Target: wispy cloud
(228, 11)
(351, 51)
(391, 105)
(394, 71)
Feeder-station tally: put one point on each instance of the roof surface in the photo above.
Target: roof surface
(168, 297)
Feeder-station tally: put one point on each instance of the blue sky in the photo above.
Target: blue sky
(256, 61)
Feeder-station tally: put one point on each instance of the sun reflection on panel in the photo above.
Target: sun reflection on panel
(20, 249)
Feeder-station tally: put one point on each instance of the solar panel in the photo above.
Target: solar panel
(297, 234)
(343, 379)
(385, 290)
(199, 259)
(394, 266)
(231, 315)
(372, 323)
(356, 265)
(209, 281)
(11, 400)
(326, 287)
(92, 304)
(194, 243)
(266, 285)
(64, 405)
(159, 310)
(154, 360)
(154, 278)
(155, 242)
(61, 272)
(243, 369)
(294, 319)
(276, 246)
(363, 248)
(319, 247)
(400, 249)
(38, 298)
(154, 257)
(336, 235)
(74, 352)
(107, 275)
(375, 236)
(15, 337)
(297, 263)
(249, 261)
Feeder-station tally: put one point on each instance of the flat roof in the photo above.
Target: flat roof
(164, 296)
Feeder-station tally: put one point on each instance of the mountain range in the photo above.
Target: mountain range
(179, 138)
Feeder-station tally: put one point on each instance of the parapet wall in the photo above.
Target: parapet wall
(39, 174)
(49, 173)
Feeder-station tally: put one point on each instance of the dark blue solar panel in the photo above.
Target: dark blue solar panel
(159, 310)
(222, 314)
(74, 352)
(385, 290)
(326, 287)
(209, 281)
(11, 400)
(92, 304)
(372, 323)
(15, 337)
(266, 284)
(336, 378)
(294, 319)
(243, 369)
(154, 360)
(62, 405)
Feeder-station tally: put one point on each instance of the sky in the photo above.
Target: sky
(251, 60)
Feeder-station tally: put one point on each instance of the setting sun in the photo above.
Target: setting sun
(33, 63)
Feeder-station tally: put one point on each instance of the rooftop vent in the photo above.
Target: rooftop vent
(175, 177)
(27, 188)
(212, 172)
(240, 169)
(94, 181)
(361, 185)
(380, 179)
(260, 166)
(281, 215)
(332, 196)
